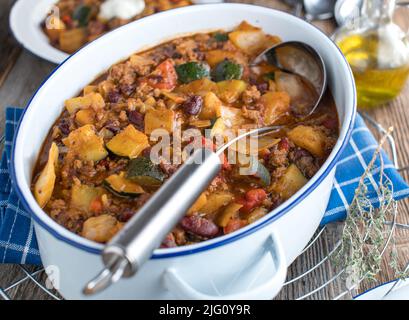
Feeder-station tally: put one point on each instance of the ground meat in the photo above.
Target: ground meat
(218, 183)
(169, 241)
(305, 162)
(56, 207)
(180, 236)
(168, 168)
(142, 199)
(189, 50)
(252, 114)
(278, 157)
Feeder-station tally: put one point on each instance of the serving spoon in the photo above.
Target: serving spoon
(303, 71)
(125, 254)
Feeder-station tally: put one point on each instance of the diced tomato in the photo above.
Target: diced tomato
(164, 77)
(233, 225)
(284, 144)
(67, 19)
(252, 199)
(96, 206)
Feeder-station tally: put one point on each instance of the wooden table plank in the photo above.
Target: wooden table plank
(26, 73)
(9, 49)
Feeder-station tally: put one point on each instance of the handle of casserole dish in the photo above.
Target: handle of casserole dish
(176, 284)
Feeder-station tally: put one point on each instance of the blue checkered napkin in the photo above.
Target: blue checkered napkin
(352, 165)
(17, 239)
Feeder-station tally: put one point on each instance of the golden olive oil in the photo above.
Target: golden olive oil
(379, 77)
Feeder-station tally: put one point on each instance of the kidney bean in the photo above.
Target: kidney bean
(300, 153)
(64, 126)
(262, 87)
(113, 126)
(330, 123)
(126, 215)
(137, 118)
(113, 96)
(127, 89)
(193, 105)
(200, 226)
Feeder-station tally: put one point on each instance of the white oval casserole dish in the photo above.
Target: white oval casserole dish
(247, 264)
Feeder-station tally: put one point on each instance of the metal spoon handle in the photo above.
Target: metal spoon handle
(134, 244)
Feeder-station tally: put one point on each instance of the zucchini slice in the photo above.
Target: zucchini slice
(192, 71)
(122, 187)
(128, 143)
(44, 187)
(144, 172)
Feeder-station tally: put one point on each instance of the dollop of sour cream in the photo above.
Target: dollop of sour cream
(122, 9)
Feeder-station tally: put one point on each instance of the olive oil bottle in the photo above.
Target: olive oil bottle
(378, 53)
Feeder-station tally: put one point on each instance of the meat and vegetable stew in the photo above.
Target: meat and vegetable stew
(96, 169)
(73, 23)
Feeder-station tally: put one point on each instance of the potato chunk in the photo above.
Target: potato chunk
(228, 213)
(159, 119)
(252, 41)
(292, 181)
(101, 228)
(72, 40)
(128, 143)
(198, 87)
(309, 138)
(216, 201)
(44, 187)
(230, 90)
(82, 195)
(211, 107)
(54, 27)
(277, 104)
(91, 100)
(200, 202)
(213, 57)
(86, 144)
(85, 116)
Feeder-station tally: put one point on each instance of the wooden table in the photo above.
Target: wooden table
(21, 73)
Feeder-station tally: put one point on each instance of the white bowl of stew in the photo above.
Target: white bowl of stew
(78, 23)
(248, 263)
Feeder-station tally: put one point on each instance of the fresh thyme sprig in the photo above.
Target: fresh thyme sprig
(365, 235)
